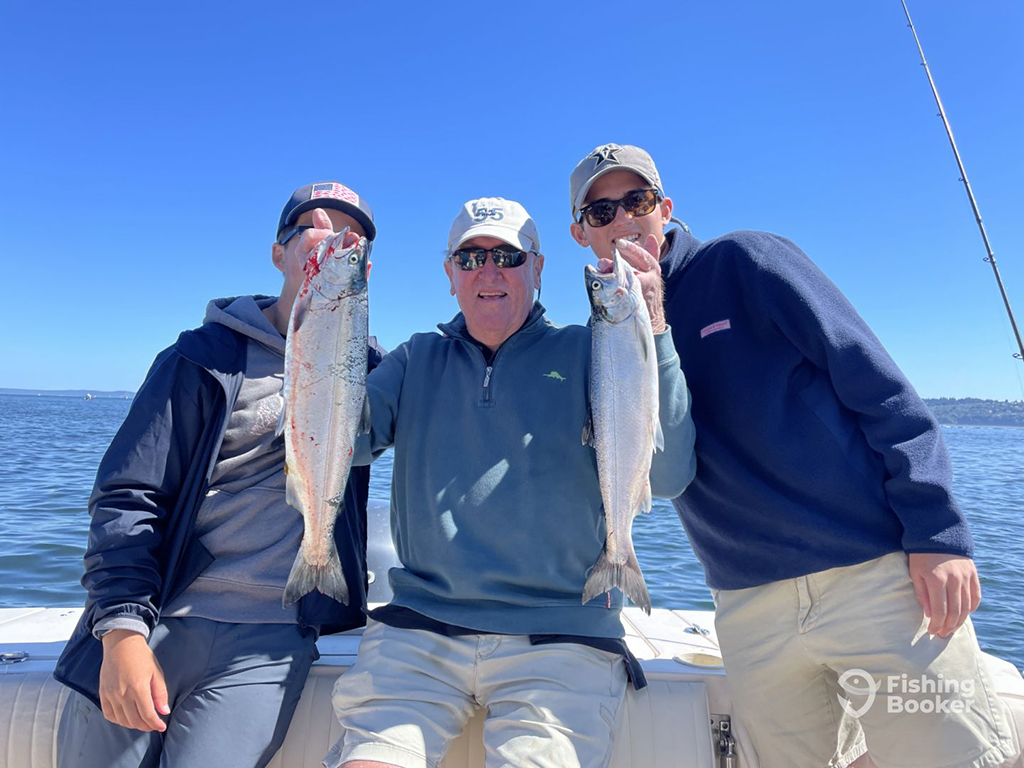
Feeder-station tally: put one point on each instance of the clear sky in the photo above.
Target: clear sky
(146, 151)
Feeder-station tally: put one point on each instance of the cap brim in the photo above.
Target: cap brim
(339, 205)
(506, 234)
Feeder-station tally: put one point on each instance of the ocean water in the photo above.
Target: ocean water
(50, 448)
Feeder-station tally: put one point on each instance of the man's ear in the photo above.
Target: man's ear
(369, 266)
(576, 230)
(666, 211)
(277, 256)
(448, 271)
(539, 262)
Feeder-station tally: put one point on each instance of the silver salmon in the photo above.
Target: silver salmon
(325, 406)
(624, 426)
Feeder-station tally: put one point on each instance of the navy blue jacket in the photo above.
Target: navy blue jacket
(813, 449)
(142, 551)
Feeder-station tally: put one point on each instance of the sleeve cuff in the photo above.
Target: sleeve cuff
(120, 622)
(665, 348)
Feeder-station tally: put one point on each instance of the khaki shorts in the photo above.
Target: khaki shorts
(411, 692)
(795, 650)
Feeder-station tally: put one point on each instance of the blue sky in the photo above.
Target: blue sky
(148, 149)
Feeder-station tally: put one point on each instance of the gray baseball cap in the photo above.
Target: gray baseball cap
(496, 217)
(607, 158)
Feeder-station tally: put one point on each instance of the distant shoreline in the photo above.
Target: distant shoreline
(948, 411)
(72, 393)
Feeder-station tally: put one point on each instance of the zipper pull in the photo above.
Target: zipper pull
(487, 377)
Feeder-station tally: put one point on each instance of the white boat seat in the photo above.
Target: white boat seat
(664, 726)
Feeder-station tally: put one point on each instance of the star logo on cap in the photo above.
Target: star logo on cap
(606, 154)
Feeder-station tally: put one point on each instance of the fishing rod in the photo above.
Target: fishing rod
(991, 258)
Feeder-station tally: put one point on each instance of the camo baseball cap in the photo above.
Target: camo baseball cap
(496, 217)
(327, 194)
(607, 158)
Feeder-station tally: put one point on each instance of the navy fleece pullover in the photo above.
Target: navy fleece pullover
(813, 449)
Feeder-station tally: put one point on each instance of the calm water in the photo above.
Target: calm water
(50, 447)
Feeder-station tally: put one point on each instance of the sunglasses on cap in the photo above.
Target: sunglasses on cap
(639, 202)
(288, 234)
(504, 257)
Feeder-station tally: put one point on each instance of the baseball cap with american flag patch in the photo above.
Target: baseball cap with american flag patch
(327, 194)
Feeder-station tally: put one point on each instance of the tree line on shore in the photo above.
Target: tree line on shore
(973, 411)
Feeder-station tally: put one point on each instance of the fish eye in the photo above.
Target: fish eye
(353, 259)
(596, 285)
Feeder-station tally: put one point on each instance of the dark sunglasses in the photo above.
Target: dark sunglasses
(287, 235)
(639, 202)
(504, 257)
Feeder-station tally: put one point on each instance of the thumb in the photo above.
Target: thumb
(158, 687)
(321, 220)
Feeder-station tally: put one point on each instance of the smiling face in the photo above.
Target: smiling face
(613, 186)
(495, 302)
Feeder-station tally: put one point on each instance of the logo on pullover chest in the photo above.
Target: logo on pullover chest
(721, 325)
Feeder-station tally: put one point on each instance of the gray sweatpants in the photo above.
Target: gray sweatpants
(232, 690)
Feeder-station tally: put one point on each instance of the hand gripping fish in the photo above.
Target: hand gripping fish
(624, 427)
(325, 406)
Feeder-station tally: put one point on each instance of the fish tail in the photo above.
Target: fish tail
(328, 578)
(626, 576)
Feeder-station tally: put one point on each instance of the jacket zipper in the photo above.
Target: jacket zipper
(487, 383)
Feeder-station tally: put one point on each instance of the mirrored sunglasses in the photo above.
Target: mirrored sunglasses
(639, 202)
(504, 257)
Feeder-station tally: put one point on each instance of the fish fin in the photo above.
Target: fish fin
(305, 577)
(642, 341)
(626, 576)
(364, 421)
(291, 496)
(659, 436)
(282, 419)
(648, 502)
(588, 429)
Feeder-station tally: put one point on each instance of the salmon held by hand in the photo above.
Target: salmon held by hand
(324, 405)
(624, 427)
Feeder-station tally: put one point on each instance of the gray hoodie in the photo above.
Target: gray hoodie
(244, 520)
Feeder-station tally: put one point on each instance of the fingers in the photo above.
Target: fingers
(975, 588)
(954, 608)
(638, 257)
(921, 593)
(937, 599)
(350, 240)
(158, 689)
(145, 713)
(652, 247)
(322, 229)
